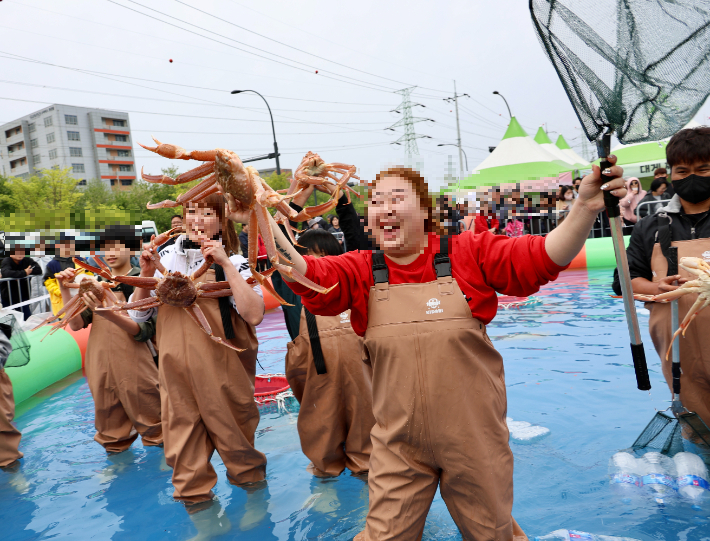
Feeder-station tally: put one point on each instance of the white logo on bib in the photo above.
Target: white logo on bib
(433, 305)
(344, 317)
(706, 256)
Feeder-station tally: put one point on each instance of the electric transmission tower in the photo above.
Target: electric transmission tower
(409, 139)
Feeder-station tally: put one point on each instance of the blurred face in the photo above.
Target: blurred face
(661, 189)
(681, 171)
(201, 223)
(116, 254)
(569, 195)
(65, 249)
(176, 222)
(17, 255)
(634, 185)
(576, 184)
(335, 222)
(396, 217)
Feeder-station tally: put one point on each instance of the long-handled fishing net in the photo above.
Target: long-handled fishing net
(636, 68)
(20, 354)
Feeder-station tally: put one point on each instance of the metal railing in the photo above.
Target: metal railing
(20, 303)
(662, 203)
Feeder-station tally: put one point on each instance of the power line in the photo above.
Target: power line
(221, 90)
(222, 19)
(410, 137)
(352, 80)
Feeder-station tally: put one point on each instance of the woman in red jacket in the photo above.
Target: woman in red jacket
(438, 388)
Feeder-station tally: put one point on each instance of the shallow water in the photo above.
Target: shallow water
(568, 368)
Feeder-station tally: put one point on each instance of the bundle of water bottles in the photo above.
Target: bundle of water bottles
(659, 476)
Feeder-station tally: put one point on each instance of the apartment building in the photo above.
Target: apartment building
(94, 143)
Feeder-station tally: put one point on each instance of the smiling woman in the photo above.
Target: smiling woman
(422, 304)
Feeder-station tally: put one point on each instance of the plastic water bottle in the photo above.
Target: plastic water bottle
(574, 535)
(659, 474)
(692, 476)
(625, 475)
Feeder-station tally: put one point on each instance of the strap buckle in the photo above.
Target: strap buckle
(442, 265)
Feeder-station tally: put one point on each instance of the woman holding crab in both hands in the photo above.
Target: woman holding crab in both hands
(207, 388)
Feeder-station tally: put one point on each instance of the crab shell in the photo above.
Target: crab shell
(90, 285)
(177, 290)
(315, 166)
(233, 178)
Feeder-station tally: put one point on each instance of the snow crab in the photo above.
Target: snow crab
(700, 286)
(174, 289)
(228, 175)
(76, 305)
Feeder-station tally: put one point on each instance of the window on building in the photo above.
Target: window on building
(78, 168)
(125, 168)
(123, 138)
(119, 123)
(71, 119)
(13, 131)
(75, 152)
(48, 122)
(32, 127)
(50, 137)
(81, 183)
(113, 182)
(36, 159)
(53, 154)
(73, 136)
(34, 143)
(123, 153)
(126, 182)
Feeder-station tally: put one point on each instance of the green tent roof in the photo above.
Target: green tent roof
(514, 130)
(541, 137)
(562, 143)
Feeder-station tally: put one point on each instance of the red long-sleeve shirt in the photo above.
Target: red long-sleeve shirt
(481, 264)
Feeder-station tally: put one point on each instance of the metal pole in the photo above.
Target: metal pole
(458, 138)
(506, 103)
(273, 130)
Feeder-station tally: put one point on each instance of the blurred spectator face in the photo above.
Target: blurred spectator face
(65, 249)
(661, 189)
(245, 228)
(335, 222)
(201, 223)
(569, 195)
(176, 222)
(635, 186)
(17, 255)
(576, 184)
(116, 254)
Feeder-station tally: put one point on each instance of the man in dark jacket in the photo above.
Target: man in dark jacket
(16, 265)
(681, 229)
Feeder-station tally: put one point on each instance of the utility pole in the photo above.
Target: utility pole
(410, 137)
(458, 131)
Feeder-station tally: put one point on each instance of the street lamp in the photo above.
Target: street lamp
(276, 148)
(462, 150)
(506, 103)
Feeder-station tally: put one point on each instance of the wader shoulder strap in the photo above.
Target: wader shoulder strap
(442, 263)
(225, 307)
(665, 239)
(379, 268)
(314, 338)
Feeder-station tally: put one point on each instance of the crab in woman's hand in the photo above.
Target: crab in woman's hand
(700, 286)
(174, 289)
(251, 193)
(77, 305)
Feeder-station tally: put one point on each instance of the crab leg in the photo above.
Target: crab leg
(209, 191)
(76, 309)
(144, 282)
(263, 220)
(143, 304)
(175, 152)
(203, 269)
(697, 307)
(96, 270)
(167, 204)
(67, 307)
(214, 294)
(198, 317)
(188, 176)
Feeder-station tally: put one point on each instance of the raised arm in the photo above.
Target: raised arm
(566, 240)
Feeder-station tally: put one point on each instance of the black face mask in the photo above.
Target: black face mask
(693, 188)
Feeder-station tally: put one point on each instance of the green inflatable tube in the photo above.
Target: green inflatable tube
(51, 360)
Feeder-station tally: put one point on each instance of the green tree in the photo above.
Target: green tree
(6, 203)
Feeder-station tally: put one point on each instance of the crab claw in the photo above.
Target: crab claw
(102, 270)
(173, 152)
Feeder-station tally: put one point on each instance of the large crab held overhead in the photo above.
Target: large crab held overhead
(700, 286)
(228, 175)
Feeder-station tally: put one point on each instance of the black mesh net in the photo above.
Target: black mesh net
(640, 67)
(20, 355)
(662, 434)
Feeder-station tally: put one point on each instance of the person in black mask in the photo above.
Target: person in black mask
(662, 173)
(685, 225)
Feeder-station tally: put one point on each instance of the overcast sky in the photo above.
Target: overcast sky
(363, 52)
